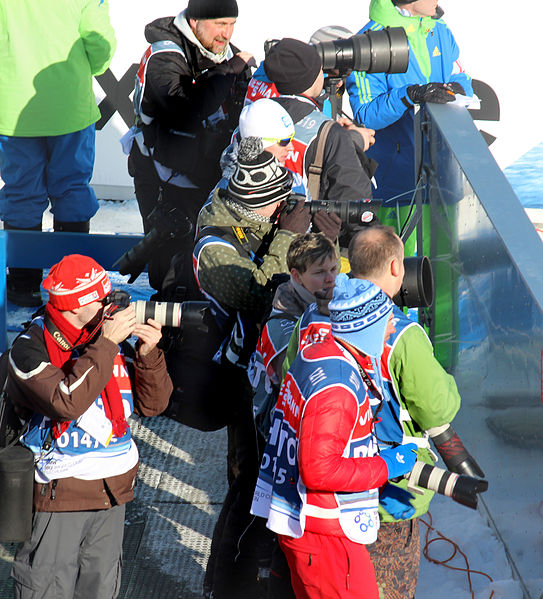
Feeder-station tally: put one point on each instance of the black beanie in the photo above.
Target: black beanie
(259, 179)
(292, 65)
(396, 2)
(212, 9)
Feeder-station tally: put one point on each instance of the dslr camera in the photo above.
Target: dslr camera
(167, 222)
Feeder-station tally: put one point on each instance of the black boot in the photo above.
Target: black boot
(71, 227)
(23, 284)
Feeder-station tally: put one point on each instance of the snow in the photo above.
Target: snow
(469, 529)
(484, 552)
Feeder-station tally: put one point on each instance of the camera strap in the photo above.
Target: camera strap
(315, 168)
(247, 244)
(379, 396)
(376, 393)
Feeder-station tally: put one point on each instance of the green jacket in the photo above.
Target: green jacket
(426, 392)
(49, 52)
(416, 28)
(234, 281)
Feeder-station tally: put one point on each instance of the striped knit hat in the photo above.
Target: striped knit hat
(76, 281)
(259, 179)
(359, 313)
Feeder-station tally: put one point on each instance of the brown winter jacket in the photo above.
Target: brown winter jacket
(34, 386)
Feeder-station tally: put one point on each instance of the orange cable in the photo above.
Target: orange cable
(456, 549)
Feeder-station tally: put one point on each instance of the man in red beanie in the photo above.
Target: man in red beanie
(75, 380)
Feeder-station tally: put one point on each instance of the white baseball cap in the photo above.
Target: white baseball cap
(266, 119)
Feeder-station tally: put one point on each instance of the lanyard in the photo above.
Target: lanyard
(375, 391)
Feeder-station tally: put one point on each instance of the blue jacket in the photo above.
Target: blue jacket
(379, 100)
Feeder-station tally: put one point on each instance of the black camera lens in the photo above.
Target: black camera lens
(354, 212)
(417, 290)
(383, 51)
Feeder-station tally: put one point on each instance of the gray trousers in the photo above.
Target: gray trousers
(71, 555)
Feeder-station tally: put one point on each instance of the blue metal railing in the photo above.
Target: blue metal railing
(488, 322)
(33, 249)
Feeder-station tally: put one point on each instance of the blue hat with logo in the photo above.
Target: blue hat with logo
(359, 313)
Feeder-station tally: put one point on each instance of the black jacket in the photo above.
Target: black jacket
(347, 171)
(181, 94)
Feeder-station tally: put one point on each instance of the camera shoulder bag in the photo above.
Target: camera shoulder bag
(314, 171)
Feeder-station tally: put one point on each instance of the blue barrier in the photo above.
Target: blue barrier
(487, 324)
(34, 249)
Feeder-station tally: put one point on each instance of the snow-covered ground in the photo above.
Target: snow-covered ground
(468, 531)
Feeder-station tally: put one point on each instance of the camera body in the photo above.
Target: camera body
(167, 222)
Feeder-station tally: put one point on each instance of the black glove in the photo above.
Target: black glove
(439, 93)
(456, 88)
(297, 219)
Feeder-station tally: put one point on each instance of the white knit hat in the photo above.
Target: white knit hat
(266, 119)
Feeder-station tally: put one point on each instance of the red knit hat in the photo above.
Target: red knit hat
(76, 281)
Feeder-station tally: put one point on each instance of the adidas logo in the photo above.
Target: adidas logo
(436, 52)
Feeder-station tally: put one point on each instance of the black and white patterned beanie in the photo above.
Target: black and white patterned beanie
(259, 179)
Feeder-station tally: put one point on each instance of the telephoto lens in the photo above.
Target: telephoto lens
(383, 51)
(354, 212)
(417, 290)
(460, 488)
(172, 314)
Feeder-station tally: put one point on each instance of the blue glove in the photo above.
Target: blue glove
(396, 502)
(399, 460)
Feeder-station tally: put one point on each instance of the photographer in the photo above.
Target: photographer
(422, 395)
(74, 378)
(319, 480)
(419, 394)
(295, 69)
(313, 266)
(384, 101)
(188, 96)
(241, 247)
(269, 121)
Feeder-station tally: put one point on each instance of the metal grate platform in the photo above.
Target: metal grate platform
(181, 486)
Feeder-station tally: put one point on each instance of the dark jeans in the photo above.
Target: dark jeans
(186, 202)
(241, 542)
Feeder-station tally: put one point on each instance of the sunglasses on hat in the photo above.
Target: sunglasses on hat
(282, 142)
